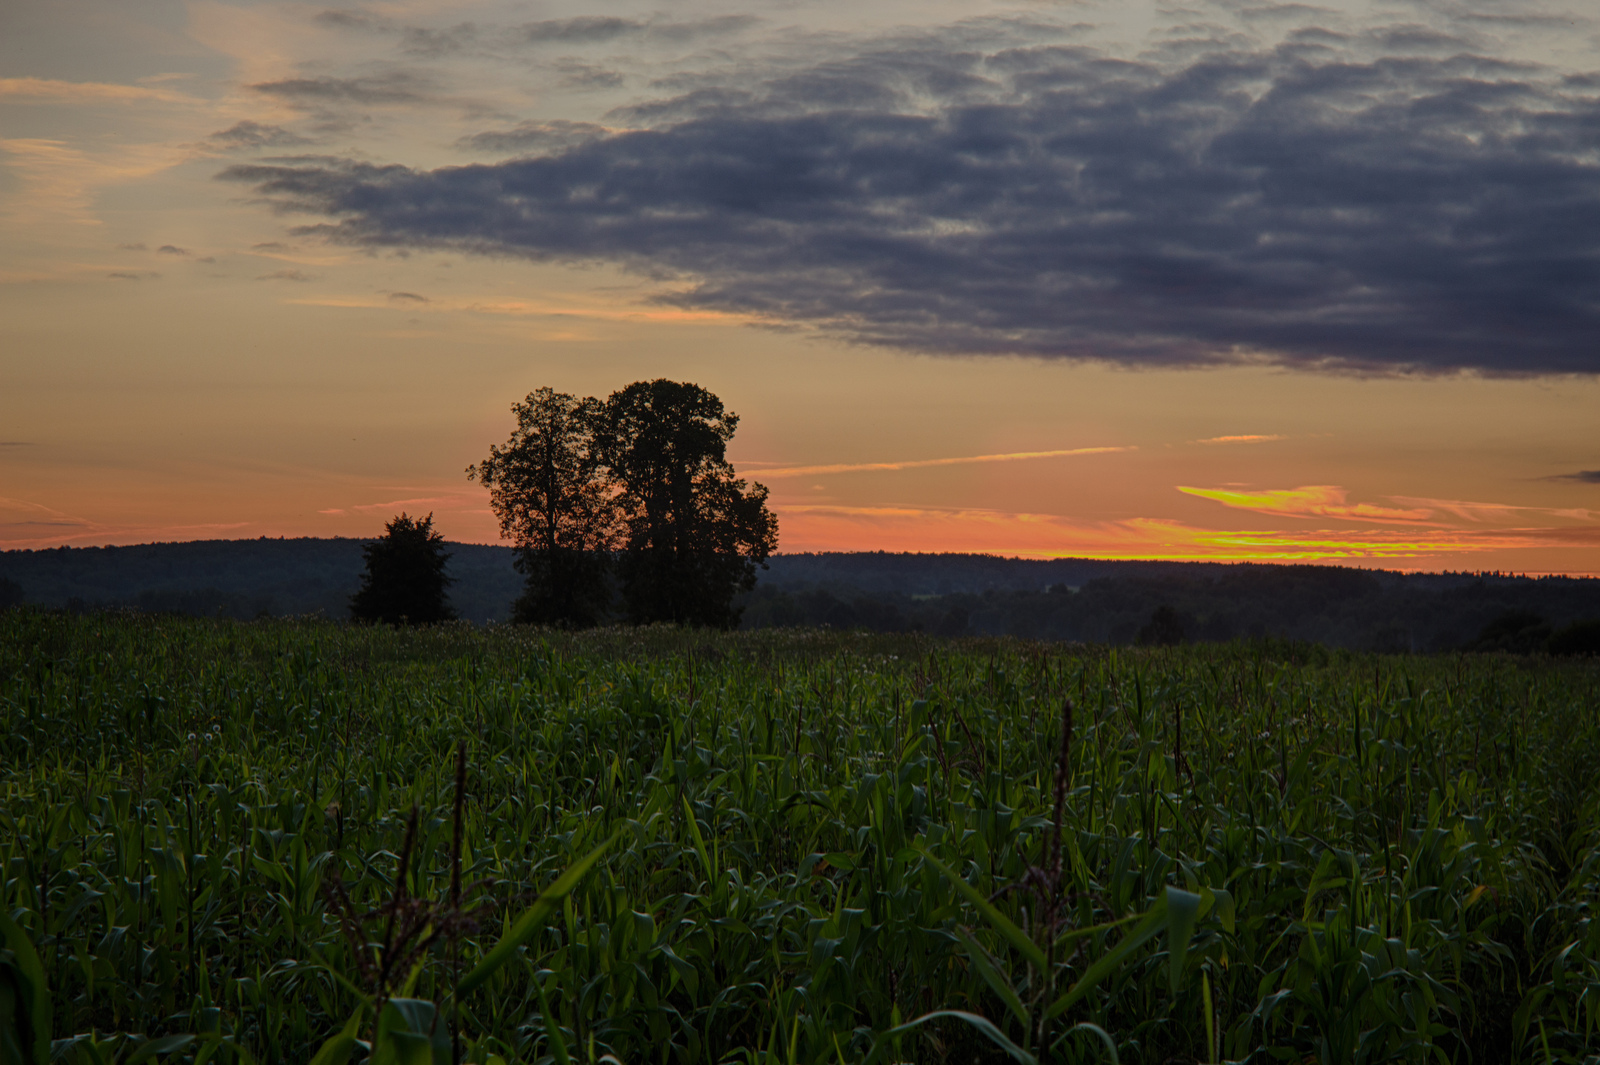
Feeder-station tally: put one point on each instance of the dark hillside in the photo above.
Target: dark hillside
(242, 578)
(1055, 599)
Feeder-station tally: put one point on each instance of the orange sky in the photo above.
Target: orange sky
(179, 362)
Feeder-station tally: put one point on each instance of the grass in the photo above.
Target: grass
(820, 847)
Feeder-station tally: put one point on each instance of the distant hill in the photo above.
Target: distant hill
(243, 578)
(1113, 602)
(1055, 599)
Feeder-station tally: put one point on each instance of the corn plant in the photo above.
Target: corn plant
(797, 847)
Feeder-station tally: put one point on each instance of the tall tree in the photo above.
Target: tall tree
(694, 532)
(554, 503)
(405, 581)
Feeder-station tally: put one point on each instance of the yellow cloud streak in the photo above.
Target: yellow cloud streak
(1249, 438)
(1307, 501)
(1470, 511)
(861, 467)
(907, 528)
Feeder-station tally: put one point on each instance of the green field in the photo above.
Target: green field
(1267, 852)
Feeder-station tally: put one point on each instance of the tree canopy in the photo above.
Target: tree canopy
(547, 488)
(695, 532)
(405, 580)
(634, 493)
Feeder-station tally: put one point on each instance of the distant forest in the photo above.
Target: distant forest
(1058, 599)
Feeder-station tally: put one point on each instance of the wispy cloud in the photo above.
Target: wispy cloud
(60, 181)
(913, 528)
(1469, 510)
(247, 135)
(916, 464)
(392, 88)
(46, 90)
(1307, 501)
(1580, 476)
(1251, 438)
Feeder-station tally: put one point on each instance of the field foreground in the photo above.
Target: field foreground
(807, 841)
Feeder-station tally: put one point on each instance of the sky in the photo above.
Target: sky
(1225, 281)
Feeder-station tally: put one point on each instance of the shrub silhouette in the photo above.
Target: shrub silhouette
(405, 580)
(1164, 629)
(1516, 631)
(1579, 638)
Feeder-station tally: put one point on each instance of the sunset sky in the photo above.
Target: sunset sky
(1309, 282)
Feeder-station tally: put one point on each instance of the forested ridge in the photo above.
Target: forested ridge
(1057, 599)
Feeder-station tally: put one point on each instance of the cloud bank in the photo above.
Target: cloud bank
(1388, 202)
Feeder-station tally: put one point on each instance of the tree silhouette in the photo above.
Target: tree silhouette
(553, 501)
(694, 533)
(405, 580)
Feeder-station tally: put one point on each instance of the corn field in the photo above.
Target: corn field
(293, 841)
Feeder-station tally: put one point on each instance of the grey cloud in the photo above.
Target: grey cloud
(407, 297)
(582, 30)
(1325, 207)
(132, 247)
(597, 29)
(533, 137)
(247, 134)
(128, 275)
(586, 76)
(1582, 476)
(171, 249)
(353, 20)
(423, 41)
(284, 275)
(17, 443)
(392, 88)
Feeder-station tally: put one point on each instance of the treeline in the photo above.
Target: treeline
(1187, 603)
(239, 579)
(1059, 599)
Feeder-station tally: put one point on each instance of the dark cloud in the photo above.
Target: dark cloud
(587, 76)
(432, 43)
(533, 137)
(1582, 476)
(407, 297)
(128, 275)
(582, 30)
(171, 249)
(1322, 203)
(247, 134)
(597, 29)
(392, 88)
(353, 20)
